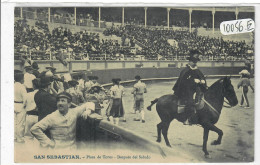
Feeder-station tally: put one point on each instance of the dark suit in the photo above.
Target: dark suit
(185, 86)
(36, 73)
(45, 102)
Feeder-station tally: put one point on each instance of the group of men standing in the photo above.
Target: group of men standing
(46, 105)
(38, 96)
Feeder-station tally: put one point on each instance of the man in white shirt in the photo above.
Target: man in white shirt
(61, 123)
(19, 112)
(28, 77)
(31, 109)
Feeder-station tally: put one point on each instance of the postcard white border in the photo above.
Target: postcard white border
(7, 64)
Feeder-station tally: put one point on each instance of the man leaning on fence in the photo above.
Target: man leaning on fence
(61, 123)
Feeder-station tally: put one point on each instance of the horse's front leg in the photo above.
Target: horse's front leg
(220, 134)
(212, 127)
(205, 140)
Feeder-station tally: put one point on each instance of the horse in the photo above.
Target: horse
(208, 116)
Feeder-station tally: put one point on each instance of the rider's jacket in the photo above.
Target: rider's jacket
(189, 79)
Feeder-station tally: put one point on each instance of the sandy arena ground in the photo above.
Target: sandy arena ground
(237, 124)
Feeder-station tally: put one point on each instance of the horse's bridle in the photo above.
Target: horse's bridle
(224, 92)
(229, 106)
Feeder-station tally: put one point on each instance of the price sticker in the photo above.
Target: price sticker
(237, 26)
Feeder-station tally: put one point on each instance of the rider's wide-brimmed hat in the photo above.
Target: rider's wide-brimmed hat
(194, 56)
(137, 77)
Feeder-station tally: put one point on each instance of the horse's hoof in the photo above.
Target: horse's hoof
(215, 142)
(208, 156)
(168, 145)
(158, 140)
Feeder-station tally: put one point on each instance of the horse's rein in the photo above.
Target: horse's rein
(214, 110)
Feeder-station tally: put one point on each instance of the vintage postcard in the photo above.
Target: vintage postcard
(134, 84)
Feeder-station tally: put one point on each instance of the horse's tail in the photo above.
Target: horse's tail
(152, 103)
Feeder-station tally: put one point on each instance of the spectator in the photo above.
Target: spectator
(62, 123)
(28, 78)
(19, 112)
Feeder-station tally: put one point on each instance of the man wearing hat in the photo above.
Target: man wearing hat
(77, 96)
(28, 77)
(96, 96)
(61, 123)
(35, 67)
(56, 81)
(138, 91)
(94, 81)
(45, 102)
(88, 83)
(19, 112)
(244, 83)
(190, 81)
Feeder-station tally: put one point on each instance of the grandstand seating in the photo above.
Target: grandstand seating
(43, 40)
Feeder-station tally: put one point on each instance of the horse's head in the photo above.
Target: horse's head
(229, 92)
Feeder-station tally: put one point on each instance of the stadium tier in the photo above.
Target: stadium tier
(154, 34)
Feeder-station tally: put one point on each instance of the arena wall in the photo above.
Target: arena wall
(127, 70)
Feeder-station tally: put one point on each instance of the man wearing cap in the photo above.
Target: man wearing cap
(19, 112)
(190, 81)
(61, 123)
(138, 91)
(28, 77)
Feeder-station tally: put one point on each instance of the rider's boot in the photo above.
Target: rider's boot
(192, 114)
(198, 98)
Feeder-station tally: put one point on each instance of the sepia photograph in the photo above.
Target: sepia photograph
(133, 84)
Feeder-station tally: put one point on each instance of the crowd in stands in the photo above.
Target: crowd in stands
(154, 42)
(41, 44)
(60, 43)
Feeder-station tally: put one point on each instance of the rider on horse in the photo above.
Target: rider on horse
(190, 81)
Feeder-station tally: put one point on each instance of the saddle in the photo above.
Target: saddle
(199, 104)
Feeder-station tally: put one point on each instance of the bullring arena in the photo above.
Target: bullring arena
(121, 47)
